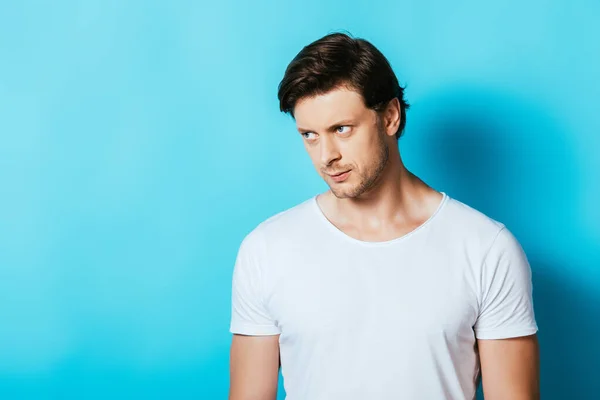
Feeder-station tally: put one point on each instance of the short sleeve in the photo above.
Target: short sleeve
(506, 303)
(249, 315)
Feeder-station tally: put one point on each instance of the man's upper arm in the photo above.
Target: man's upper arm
(254, 360)
(506, 300)
(254, 367)
(506, 328)
(510, 368)
(249, 312)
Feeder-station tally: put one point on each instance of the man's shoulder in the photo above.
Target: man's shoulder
(283, 222)
(466, 221)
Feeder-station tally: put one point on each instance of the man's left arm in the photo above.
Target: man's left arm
(506, 329)
(510, 368)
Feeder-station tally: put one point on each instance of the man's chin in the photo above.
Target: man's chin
(341, 193)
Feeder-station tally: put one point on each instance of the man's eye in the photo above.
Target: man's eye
(343, 129)
(305, 134)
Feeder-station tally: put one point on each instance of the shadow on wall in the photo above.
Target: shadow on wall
(512, 160)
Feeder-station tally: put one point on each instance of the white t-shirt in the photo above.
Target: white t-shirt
(381, 320)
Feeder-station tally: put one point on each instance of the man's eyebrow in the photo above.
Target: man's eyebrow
(331, 128)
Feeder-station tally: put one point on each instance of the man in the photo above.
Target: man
(381, 287)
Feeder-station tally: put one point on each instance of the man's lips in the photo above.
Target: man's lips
(339, 177)
(338, 173)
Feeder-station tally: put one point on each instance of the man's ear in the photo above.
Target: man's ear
(392, 117)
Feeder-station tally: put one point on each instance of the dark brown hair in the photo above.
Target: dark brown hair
(338, 60)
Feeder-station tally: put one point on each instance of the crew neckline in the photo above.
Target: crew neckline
(347, 237)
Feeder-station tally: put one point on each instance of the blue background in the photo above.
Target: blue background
(141, 140)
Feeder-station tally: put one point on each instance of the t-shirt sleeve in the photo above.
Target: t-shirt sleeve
(506, 303)
(249, 315)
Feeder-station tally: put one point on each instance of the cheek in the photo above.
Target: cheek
(314, 158)
(357, 154)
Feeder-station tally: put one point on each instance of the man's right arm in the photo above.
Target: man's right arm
(254, 367)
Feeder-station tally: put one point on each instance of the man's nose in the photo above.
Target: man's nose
(329, 151)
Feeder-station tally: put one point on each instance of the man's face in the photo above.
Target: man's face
(341, 134)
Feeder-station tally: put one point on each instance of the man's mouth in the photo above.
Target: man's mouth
(341, 176)
(338, 173)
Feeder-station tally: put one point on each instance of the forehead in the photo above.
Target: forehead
(321, 111)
